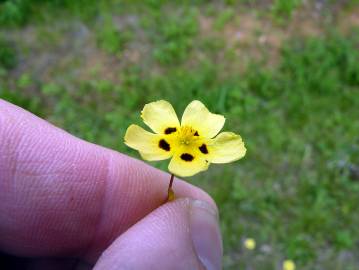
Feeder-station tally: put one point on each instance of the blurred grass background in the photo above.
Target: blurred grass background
(285, 73)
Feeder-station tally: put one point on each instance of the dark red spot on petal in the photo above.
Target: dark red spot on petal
(187, 157)
(203, 149)
(170, 130)
(164, 145)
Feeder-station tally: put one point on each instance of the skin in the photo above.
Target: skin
(70, 204)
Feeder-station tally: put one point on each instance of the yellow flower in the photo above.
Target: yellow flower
(288, 265)
(250, 243)
(191, 144)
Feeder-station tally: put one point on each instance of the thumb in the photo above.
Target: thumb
(179, 235)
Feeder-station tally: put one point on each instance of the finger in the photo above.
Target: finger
(60, 195)
(180, 235)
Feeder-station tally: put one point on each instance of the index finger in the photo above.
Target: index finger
(61, 195)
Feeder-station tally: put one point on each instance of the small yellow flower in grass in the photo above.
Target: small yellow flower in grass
(250, 243)
(191, 144)
(288, 265)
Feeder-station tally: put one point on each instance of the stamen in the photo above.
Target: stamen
(170, 130)
(203, 149)
(187, 157)
(196, 134)
(164, 145)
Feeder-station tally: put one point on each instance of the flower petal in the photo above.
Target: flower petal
(197, 116)
(187, 162)
(151, 146)
(159, 116)
(226, 147)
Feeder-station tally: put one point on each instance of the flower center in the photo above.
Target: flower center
(187, 135)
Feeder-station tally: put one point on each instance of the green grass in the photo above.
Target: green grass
(285, 8)
(8, 58)
(294, 191)
(111, 39)
(173, 37)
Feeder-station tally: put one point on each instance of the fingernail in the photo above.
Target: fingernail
(206, 235)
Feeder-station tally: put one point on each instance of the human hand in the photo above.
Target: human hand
(69, 204)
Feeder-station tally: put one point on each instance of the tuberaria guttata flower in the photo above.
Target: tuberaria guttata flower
(191, 144)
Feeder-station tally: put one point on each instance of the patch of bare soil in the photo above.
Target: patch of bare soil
(348, 20)
(251, 36)
(69, 49)
(52, 52)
